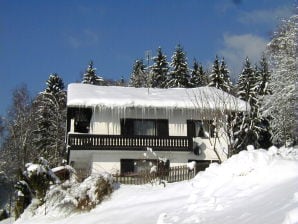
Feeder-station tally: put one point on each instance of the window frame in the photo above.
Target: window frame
(136, 166)
(161, 127)
(191, 128)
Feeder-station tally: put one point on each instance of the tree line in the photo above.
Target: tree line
(268, 87)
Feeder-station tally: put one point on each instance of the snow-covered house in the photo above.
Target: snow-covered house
(125, 129)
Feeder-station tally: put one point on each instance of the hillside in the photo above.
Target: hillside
(255, 186)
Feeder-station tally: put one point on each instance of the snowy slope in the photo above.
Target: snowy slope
(255, 186)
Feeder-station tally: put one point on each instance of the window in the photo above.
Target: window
(127, 166)
(199, 128)
(144, 127)
(135, 166)
(81, 116)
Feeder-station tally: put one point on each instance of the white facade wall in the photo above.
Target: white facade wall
(109, 161)
(107, 122)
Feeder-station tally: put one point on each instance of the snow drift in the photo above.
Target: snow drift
(255, 186)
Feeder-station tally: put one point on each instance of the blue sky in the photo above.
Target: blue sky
(38, 37)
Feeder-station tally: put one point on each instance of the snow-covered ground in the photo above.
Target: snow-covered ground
(255, 186)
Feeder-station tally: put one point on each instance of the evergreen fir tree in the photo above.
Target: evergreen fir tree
(226, 84)
(246, 128)
(219, 76)
(178, 77)
(244, 131)
(215, 76)
(263, 77)
(90, 76)
(54, 84)
(197, 77)
(138, 76)
(247, 84)
(121, 82)
(159, 70)
(50, 116)
(262, 87)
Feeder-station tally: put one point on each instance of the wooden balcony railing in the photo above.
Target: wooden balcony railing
(118, 142)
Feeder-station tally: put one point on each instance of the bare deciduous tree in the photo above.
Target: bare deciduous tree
(227, 113)
(17, 144)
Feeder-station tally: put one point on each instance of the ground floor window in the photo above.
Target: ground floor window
(135, 166)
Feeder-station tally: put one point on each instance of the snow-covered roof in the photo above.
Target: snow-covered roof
(85, 95)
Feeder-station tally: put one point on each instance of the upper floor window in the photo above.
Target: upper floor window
(145, 127)
(200, 128)
(81, 117)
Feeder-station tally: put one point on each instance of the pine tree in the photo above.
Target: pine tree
(215, 76)
(226, 84)
(280, 105)
(246, 128)
(121, 82)
(235, 127)
(159, 70)
(263, 77)
(179, 75)
(50, 115)
(138, 76)
(243, 130)
(262, 89)
(197, 77)
(54, 84)
(247, 84)
(219, 76)
(90, 76)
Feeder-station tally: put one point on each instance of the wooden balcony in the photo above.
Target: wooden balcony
(118, 142)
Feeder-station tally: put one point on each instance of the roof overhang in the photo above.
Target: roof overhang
(209, 98)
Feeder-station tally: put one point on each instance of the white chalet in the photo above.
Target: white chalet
(126, 129)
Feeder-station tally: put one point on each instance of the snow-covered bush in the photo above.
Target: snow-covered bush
(65, 173)
(39, 177)
(153, 174)
(285, 152)
(34, 183)
(23, 197)
(71, 196)
(3, 214)
(93, 191)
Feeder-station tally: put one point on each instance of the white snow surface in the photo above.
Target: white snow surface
(85, 95)
(254, 186)
(191, 165)
(39, 169)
